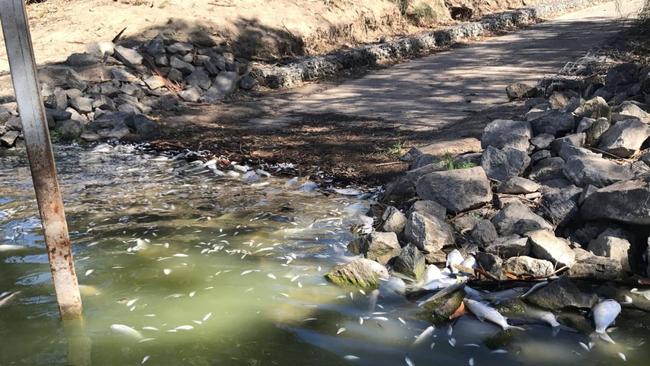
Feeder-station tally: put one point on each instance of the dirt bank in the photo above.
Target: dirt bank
(260, 30)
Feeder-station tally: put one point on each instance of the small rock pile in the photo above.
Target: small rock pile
(565, 189)
(107, 92)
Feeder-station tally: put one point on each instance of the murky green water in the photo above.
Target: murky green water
(231, 274)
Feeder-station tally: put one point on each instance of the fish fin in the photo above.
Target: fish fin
(556, 331)
(605, 337)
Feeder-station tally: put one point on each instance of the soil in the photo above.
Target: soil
(269, 30)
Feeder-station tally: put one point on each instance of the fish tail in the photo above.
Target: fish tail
(604, 336)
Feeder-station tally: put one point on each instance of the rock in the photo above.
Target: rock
(560, 99)
(596, 171)
(128, 56)
(542, 141)
(483, 234)
(624, 138)
(503, 164)
(596, 268)
(143, 126)
(560, 198)
(410, 262)
(502, 133)
(438, 257)
(518, 185)
(393, 220)
(547, 169)
(180, 65)
(545, 245)
(69, 129)
(516, 217)
(175, 75)
(415, 174)
(61, 76)
(553, 123)
(57, 115)
(625, 202)
(594, 108)
(154, 82)
(247, 82)
(361, 272)
(423, 160)
(81, 104)
(81, 59)
(108, 125)
(490, 263)
(14, 123)
(562, 294)
(509, 246)
(9, 138)
(576, 140)
(180, 47)
(122, 75)
(620, 76)
(612, 243)
(520, 91)
(539, 156)
(224, 84)
(525, 265)
(377, 246)
(457, 190)
(429, 208)
(199, 78)
(441, 309)
(192, 94)
(629, 110)
(428, 233)
(595, 131)
(399, 190)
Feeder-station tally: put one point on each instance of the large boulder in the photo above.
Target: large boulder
(548, 168)
(143, 126)
(595, 171)
(554, 123)
(624, 138)
(594, 108)
(410, 262)
(562, 294)
(525, 265)
(361, 272)
(483, 233)
(457, 190)
(612, 243)
(629, 110)
(502, 133)
(594, 267)
(517, 218)
(560, 200)
(428, 233)
(518, 185)
(503, 164)
(625, 202)
(430, 208)
(545, 245)
(378, 246)
(393, 220)
(509, 246)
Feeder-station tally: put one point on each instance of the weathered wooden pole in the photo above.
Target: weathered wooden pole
(41, 160)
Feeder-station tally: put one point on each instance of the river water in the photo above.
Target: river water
(215, 271)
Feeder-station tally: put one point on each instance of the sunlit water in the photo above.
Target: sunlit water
(232, 275)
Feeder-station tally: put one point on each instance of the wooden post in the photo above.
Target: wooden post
(41, 160)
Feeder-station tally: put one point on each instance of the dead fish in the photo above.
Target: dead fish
(485, 312)
(543, 315)
(126, 331)
(604, 314)
(505, 295)
(8, 298)
(393, 286)
(454, 258)
(351, 357)
(145, 359)
(423, 336)
(408, 361)
(372, 303)
(431, 273)
(139, 246)
(341, 330)
(622, 356)
(469, 262)
(536, 287)
(184, 327)
(645, 293)
(440, 283)
(5, 248)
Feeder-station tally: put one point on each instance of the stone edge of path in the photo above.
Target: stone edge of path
(324, 67)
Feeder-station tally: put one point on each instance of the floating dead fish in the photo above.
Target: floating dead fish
(536, 287)
(543, 315)
(408, 361)
(485, 312)
(6, 248)
(130, 303)
(207, 316)
(604, 314)
(454, 258)
(347, 191)
(341, 330)
(471, 361)
(89, 272)
(126, 331)
(622, 356)
(154, 329)
(423, 336)
(499, 297)
(8, 297)
(644, 293)
(184, 327)
(452, 342)
(167, 271)
(139, 246)
(145, 359)
(584, 346)
(351, 357)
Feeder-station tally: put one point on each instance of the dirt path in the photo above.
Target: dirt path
(354, 130)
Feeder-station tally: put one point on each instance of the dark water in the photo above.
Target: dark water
(231, 274)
